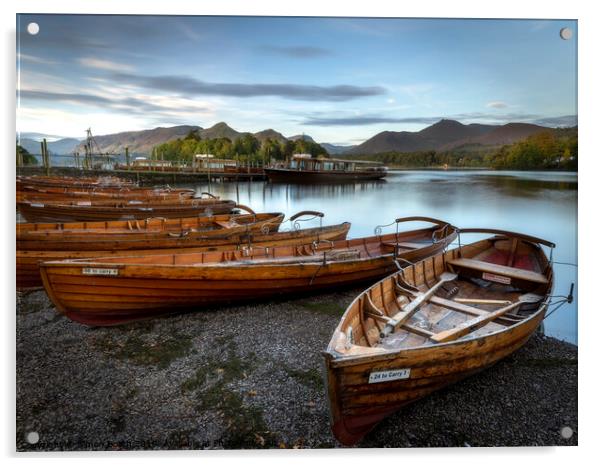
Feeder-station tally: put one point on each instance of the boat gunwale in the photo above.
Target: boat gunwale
(319, 257)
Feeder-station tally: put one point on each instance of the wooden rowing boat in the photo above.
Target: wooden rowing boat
(71, 182)
(151, 233)
(82, 211)
(432, 324)
(113, 290)
(28, 193)
(28, 271)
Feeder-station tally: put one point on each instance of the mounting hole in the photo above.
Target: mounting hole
(33, 28)
(32, 437)
(566, 33)
(566, 432)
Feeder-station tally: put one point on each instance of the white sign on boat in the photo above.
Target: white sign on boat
(387, 376)
(91, 271)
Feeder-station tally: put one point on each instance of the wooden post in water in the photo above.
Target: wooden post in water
(42, 152)
(47, 157)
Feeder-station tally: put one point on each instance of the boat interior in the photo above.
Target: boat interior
(156, 224)
(468, 292)
(322, 251)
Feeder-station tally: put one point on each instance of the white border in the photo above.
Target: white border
(589, 172)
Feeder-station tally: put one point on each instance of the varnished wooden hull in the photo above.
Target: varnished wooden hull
(34, 212)
(359, 400)
(69, 181)
(28, 271)
(150, 234)
(65, 195)
(357, 407)
(110, 291)
(141, 292)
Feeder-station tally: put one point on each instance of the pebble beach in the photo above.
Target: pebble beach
(251, 377)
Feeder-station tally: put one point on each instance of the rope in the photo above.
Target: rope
(564, 263)
(559, 304)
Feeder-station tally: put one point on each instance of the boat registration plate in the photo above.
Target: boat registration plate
(90, 271)
(387, 376)
(496, 278)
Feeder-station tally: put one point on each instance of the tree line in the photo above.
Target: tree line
(545, 150)
(246, 149)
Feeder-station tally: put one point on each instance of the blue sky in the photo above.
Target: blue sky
(340, 80)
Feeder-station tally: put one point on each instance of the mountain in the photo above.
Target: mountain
(59, 147)
(220, 130)
(446, 135)
(305, 137)
(139, 142)
(335, 149)
(270, 134)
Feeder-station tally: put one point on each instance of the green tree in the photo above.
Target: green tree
(25, 157)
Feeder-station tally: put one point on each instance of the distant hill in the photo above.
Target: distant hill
(334, 149)
(270, 134)
(139, 142)
(219, 130)
(446, 135)
(59, 147)
(443, 135)
(305, 137)
(222, 130)
(498, 136)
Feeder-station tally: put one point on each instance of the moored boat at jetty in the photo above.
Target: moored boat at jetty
(304, 169)
(262, 233)
(114, 290)
(434, 323)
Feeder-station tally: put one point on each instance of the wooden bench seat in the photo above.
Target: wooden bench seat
(407, 244)
(503, 270)
(225, 224)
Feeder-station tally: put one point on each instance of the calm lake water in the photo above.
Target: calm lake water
(542, 204)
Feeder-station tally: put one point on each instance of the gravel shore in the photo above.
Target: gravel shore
(251, 377)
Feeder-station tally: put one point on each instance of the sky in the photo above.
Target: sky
(339, 80)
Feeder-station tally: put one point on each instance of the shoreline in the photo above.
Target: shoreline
(250, 376)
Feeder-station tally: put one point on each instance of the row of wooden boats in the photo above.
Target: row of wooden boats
(51, 199)
(431, 316)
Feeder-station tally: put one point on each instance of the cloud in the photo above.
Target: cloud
(130, 105)
(297, 51)
(104, 64)
(184, 85)
(473, 117)
(565, 120)
(364, 120)
(33, 59)
(497, 104)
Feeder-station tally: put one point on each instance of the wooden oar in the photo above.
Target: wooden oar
(474, 324)
(482, 301)
(412, 307)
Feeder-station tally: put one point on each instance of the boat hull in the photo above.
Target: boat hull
(283, 175)
(399, 341)
(358, 406)
(28, 270)
(139, 291)
(34, 212)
